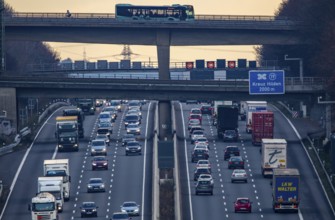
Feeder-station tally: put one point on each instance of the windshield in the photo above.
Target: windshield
(39, 207)
(98, 143)
(131, 117)
(104, 116)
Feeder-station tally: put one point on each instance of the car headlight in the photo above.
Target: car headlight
(127, 148)
(104, 149)
(76, 145)
(128, 130)
(139, 148)
(94, 164)
(92, 150)
(66, 193)
(138, 130)
(83, 210)
(60, 146)
(123, 210)
(94, 210)
(89, 186)
(59, 207)
(102, 186)
(105, 164)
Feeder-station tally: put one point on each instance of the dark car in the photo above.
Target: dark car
(231, 151)
(131, 119)
(200, 170)
(95, 185)
(133, 147)
(242, 205)
(230, 135)
(89, 209)
(204, 186)
(135, 103)
(206, 110)
(199, 154)
(99, 162)
(127, 138)
(236, 162)
(120, 216)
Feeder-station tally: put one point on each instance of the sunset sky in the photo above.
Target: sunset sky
(144, 53)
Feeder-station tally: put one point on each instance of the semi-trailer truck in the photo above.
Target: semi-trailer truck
(80, 119)
(273, 155)
(67, 133)
(86, 105)
(250, 107)
(59, 167)
(43, 206)
(262, 126)
(227, 119)
(53, 185)
(285, 190)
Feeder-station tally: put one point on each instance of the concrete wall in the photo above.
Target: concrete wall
(8, 111)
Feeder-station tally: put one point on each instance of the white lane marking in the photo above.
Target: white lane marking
(186, 161)
(144, 164)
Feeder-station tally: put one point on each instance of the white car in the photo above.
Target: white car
(202, 140)
(196, 134)
(207, 177)
(133, 129)
(204, 163)
(239, 175)
(201, 146)
(98, 147)
(193, 122)
(131, 208)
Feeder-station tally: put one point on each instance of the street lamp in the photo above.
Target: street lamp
(301, 70)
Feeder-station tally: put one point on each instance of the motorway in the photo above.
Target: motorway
(126, 179)
(129, 178)
(314, 204)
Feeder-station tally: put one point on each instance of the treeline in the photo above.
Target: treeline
(319, 55)
(21, 55)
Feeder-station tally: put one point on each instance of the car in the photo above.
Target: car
(201, 140)
(195, 116)
(127, 138)
(231, 151)
(133, 147)
(112, 110)
(199, 154)
(120, 216)
(196, 134)
(202, 146)
(195, 111)
(99, 162)
(204, 186)
(105, 128)
(136, 111)
(133, 129)
(105, 117)
(89, 209)
(200, 170)
(193, 122)
(131, 119)
(98, 147)
(206, 109)
(131, 208)
(204, 163)
(242, 205)
(134, 103)
(117, 104)
(207, 177)
(239, 175)
(195, 127)
(103, 137)
(236, 162)
(230, 135)
(95, 185)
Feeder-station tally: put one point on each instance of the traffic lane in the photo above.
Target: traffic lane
(310, 190)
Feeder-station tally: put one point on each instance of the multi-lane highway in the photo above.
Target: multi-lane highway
(127, 179)
(314, 204)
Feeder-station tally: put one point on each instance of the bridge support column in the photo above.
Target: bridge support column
(8, 112)
(165, 121)
(163, 53)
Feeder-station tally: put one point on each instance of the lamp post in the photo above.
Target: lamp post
(301, 70)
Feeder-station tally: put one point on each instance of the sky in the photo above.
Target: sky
(94, 52)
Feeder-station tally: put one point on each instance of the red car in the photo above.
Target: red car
(242, 205)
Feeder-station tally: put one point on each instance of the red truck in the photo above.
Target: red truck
(262, 126)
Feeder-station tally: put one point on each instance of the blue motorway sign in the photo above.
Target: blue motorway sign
(266, 82)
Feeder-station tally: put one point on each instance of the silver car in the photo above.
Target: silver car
(131, 208)
(95, 185)
(98, 147)
(239, 175)
(133, 129)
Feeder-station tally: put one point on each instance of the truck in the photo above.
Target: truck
(53, 185)
(86, 105)
(67, 133)
(43, 206)
(250, 107)
(273, 155)
(285, 190)
(80, 118)
(262, 126)
(59, 167)
(227, 119)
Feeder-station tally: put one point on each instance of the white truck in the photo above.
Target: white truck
(273, 155)
(53, 185)
(59, 167)
(250, 107)
(43, 206)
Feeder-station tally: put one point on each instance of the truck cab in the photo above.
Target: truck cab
(43, 206)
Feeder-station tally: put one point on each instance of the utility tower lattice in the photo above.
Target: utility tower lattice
(126, 52)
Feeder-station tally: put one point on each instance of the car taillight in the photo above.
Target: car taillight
(230, 162)
(241, 162)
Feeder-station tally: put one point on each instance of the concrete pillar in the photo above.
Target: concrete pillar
(8, 111)
(165, 121)
(163, 53)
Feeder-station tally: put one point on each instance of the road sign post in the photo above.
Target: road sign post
(266, 82)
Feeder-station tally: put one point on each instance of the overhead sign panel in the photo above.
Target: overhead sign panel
(262, 82)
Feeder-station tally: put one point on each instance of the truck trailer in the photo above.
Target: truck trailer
(250, 107)
(273, 155)
(227, 119)
(262, 126)
(59, 167)
(43, 206)
(67, 133)
(54, 186)
(285, 190)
